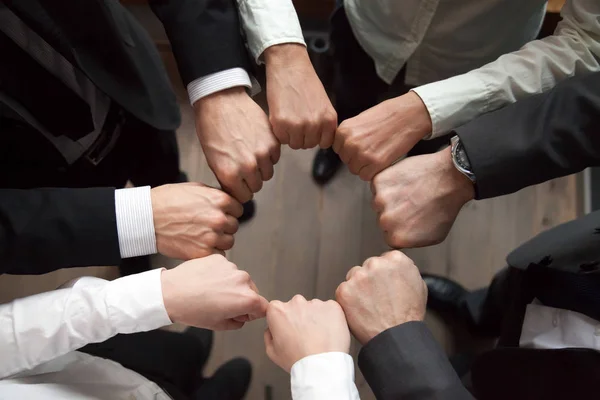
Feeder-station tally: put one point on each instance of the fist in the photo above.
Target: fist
(385, 292)
(300, 328)
(418, 199)
(192, 220)
(376, 138)
(237, 140)
(300, 111)
(211, 293)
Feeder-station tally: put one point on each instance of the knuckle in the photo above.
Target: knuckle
(341, 292)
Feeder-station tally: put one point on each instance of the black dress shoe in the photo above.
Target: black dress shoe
(249, 211)
(325, 165)
(230, 382)
(445, 295)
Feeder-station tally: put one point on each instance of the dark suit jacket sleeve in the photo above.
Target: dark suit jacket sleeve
(406, 362)
(204, 34)
(42, 230)
(537, 139)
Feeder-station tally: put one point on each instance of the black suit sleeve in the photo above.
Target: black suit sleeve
(204, 34)
(42, 230)
(539, 138)
(406, 362)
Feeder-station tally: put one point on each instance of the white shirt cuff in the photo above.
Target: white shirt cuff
(454, 101)
(135, 302)
(327, 376)
(212, 83)
(269, 23)
(135, 222)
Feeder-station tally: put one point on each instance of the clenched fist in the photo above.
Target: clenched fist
(385, 292)
(211, 293)
(299, 109)
(237, 140)
(300, 328)
(418, 199)
(192, 220)
(377, 137)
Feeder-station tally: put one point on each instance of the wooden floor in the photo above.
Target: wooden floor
(304, 238)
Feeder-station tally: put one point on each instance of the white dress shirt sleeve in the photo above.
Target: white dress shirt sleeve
(536, 67)
(213, 83)
(325, 376)
(268, 23)
(42, 327)
(135, 222)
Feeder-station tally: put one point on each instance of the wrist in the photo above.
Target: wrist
(285, 54)
(460, 185)
(169, 294)
(221, 98)
(411, 104)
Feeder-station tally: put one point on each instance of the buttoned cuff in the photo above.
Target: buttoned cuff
(135, 303)
(324, 376)
(213, 83)
(269, 25)
(454, 102)
(135, 222)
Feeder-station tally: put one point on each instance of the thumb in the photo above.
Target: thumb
(260, 310)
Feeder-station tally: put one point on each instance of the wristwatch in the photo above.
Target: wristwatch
(460, 159)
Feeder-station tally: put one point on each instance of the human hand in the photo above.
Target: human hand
(300, 111)
(377, 137)
(300, 328)
(386, 291)
(418, 199)
(237, 140)
(192, 220)
(211, 293)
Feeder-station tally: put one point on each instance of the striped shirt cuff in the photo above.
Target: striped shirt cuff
(135, 222)
(209, 84)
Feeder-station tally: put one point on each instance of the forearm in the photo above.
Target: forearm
(537, 139)
(204, 35)
(326, 376)
(405, 362)
(573, 49)
(42, 230)
(39, 328)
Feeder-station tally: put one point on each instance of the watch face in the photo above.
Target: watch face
(461, 157)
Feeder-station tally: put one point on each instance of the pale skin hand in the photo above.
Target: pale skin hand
(192, 220)
(377, 137)
(237, 140)
(418, 199)
(385, 292)
(300, 328)
(300, 111)
(211, 293)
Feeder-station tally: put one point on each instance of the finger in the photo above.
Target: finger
(234, 208)
(232, 225)
(240, 191)
(338, 142)
(355, 165)
(296, 139)
(352, 272)
(280, 133)
(225, 242)
(229, 325)
(347, 154)
(275, 154)
(268, 337)
(254, 180)
(242, 318)
(369, 172)
(265, 166)
(328, 134)
(260, 310)
(311, 137)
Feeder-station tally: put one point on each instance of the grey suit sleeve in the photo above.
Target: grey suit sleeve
(406, 362)
(539, 138)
